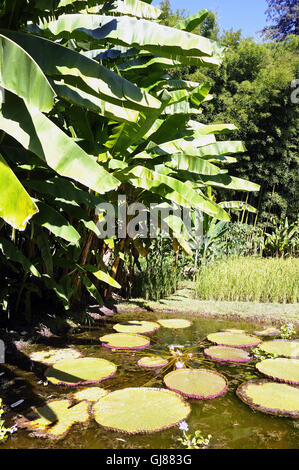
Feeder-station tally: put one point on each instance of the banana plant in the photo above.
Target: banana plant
(95, 115)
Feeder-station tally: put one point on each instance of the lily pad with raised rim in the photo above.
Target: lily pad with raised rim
(174, 323)
(270, 331)
(281, 369)
(152, 362)
(52, 356)
(236, 340)
(125, 341)
(196, 383)
(55, 419)
(140, 410)
(137, 327)
(270, 397)
(282, 347)
(80, 371)
(227, 354)
(91, 394)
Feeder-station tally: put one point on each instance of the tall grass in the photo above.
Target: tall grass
(250, 280)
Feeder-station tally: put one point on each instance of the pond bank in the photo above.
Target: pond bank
(184, 301)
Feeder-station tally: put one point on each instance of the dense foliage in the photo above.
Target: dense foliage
(283, 14)
(95, 116)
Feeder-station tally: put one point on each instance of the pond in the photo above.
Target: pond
(232, 424)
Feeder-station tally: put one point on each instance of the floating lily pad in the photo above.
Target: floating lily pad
(92, 394)
(152, 362)
(282, 347)
(174, 323)
(137, 327)
(80, 371)
(283, 370)
(270, 397)
(56, 418)
(270, 331)
(236, 340)
(125, 341)
(196, 383)
(140, 410)
(52, 356)
(227, 354)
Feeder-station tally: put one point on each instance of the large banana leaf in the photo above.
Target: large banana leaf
(193, 164)
(12, 253)
(53, 221)
(35, 132)
(20, 74)
(238, 205)
(190, 23)
(16, 206)
(228, 182)
(86, 100)
(171, 189)
(135, 8)
(142, 34)
(55, 60)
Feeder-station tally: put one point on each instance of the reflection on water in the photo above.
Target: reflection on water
(232, 424)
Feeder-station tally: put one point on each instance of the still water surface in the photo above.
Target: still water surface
(232, 424)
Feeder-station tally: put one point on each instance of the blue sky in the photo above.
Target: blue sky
(248, 15)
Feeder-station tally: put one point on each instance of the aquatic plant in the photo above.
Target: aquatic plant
(227, 354)
(287, 331)
(269, 331)
(260, 355)
(281, 347)
(193, 441)
(91, 394)
(237, 340)
(56, 418)
(281, 369)
(52, 356)
(270, 397)
(152, 362)
(174, 323)
(125, 341)
(80, 371)
(196, 383)
(137, 327)
(140, 410)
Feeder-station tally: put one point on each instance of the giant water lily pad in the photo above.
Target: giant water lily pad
(196, 383)
(282, 347)
(227, 354)
(125, 341)
(52, 356)
(270, 331)
(152, 362)
(137, 327)
(56, 418)
(270, 397)
(174, 323)
(236, 340)
(140, 410)
(80, 371)
(281, 369)
(91, 394)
